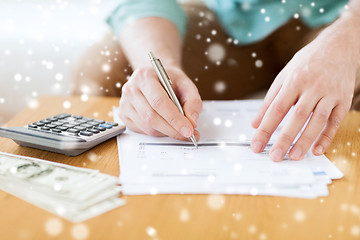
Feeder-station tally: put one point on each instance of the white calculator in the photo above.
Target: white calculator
(64, 133)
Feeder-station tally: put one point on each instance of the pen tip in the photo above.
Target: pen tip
(192, 138)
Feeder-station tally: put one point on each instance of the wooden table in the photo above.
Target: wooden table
(187, 216)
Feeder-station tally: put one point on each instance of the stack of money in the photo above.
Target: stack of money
(73, 193)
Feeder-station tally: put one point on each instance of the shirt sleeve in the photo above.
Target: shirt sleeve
(130, 10)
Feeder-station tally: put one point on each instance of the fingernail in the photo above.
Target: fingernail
(185, 131)
(276, 155)
(319, 149)
(256, 147)
(195, 117)
(296, 154)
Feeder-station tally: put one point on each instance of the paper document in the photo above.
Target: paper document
(223, 162)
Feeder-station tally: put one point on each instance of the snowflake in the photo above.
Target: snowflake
(59, 77)
(216, 52)
(259, 63)
(220, 86)
(215, 202)
(80, 231)
(151, 231)
(66, 104)
(252, 229)
(184, 215)
(299, 216)
(17, 77)
(84, 97)
(33, 104)
(53, 226)
(105, 68)
(228, 123)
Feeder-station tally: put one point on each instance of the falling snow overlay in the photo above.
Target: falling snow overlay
(41, 42)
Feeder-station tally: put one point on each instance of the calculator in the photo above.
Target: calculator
(64, 133)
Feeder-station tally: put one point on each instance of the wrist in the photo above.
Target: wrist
(343, 35)
(350, 23)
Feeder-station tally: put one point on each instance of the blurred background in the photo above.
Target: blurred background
(40, 43)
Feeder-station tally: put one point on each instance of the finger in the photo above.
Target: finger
(134, 122)
(328, 134)
(197, 135)
(316, 124)
(293, 126)
(269, 98)
(190, 99)
(159, 101)
(149, 119)
(272, 118)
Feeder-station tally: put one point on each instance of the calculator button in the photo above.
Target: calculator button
(100, 128)
(52, 119)
(99, 121)
(81, 121)
(88, 119)
(72, 130)
(63, 121)
(62, 128)
(57, 123)
(61, 116)
(45, 128)
(107, 126)
(70, 119)
(93, 123)
(77, 117)
(39, 124)
(56, 130)
(85, 125)
(93, 131)
(80, 128)
(45, 121)
(50, 125)
(86, 134)
(32, 126)
(112, 124)
(68, 125)
(74, 123)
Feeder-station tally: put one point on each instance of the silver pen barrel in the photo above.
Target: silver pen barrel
(166, 82)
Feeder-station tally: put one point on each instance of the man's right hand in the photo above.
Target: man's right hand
(145, 106)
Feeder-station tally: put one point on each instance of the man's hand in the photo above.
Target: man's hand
(145, 106)
(319, 82)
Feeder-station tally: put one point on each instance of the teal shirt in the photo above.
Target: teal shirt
(247, 21)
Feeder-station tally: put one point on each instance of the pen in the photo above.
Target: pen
(166, 82)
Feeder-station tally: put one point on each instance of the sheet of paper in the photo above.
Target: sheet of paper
(223, 163)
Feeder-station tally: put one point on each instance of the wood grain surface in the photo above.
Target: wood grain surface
(186, 216)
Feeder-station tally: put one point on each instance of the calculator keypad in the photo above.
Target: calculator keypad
(72, 124)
